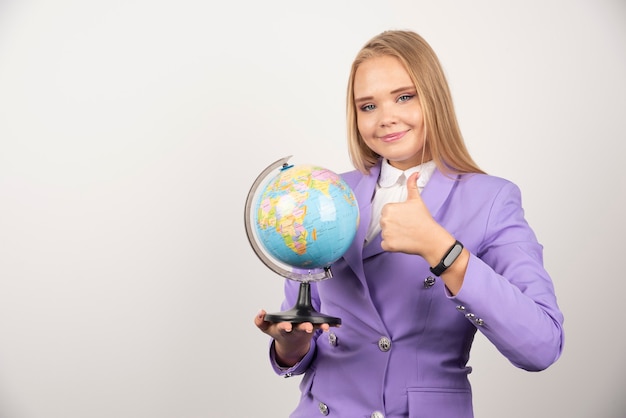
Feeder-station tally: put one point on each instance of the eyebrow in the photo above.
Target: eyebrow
(398, 90)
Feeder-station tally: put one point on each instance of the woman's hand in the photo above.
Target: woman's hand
(291, 341)
(409, 227)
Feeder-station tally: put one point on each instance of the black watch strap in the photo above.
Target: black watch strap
(447, 259)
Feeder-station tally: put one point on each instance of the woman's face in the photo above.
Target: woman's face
(389, 114)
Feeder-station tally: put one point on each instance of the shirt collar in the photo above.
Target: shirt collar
(389, 174)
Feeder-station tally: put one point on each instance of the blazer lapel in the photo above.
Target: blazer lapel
(437, 191)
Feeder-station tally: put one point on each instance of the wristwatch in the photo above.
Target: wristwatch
(447, 259)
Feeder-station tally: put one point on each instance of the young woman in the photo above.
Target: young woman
(442, 250)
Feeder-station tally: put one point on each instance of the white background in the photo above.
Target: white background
(131, 131)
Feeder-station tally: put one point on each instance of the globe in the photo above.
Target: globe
(306, 216)
(303, 220)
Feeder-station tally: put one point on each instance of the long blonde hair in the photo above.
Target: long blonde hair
(445, 141)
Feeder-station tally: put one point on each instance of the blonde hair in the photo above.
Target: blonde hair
(445, 141)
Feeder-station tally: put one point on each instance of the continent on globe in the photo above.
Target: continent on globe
(306, 216)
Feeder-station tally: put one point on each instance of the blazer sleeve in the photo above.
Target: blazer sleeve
(507, 293)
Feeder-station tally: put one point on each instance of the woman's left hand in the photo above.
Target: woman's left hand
(409, 227)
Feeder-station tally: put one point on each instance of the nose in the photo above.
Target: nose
(387, 116)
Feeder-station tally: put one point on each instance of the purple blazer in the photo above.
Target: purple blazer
(404, 343)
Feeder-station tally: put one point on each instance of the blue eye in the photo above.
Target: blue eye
(405, 97)
(368, 108)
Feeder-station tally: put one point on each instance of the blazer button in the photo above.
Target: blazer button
(460, 308)
(377, 414)
(384, 344)
(332, 339)
(323, 408)
(429, 282)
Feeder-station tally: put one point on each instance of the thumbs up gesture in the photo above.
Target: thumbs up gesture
(408, 226)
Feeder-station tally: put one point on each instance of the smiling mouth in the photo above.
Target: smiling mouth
(393, 137)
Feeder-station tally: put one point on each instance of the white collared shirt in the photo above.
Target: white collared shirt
(391, 187)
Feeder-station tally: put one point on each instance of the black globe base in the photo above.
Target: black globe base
(303, 311)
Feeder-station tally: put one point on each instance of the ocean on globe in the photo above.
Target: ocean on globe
(306, 216)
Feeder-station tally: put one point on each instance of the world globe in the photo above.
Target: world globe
(306, 216)
(303, 220)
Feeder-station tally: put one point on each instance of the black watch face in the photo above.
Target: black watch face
(452, 255)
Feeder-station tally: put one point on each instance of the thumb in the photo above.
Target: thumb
(412, 192)
(259, 320)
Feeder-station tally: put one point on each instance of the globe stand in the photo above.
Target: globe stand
(303, 311)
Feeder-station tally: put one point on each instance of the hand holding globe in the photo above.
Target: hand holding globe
(305, 218)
